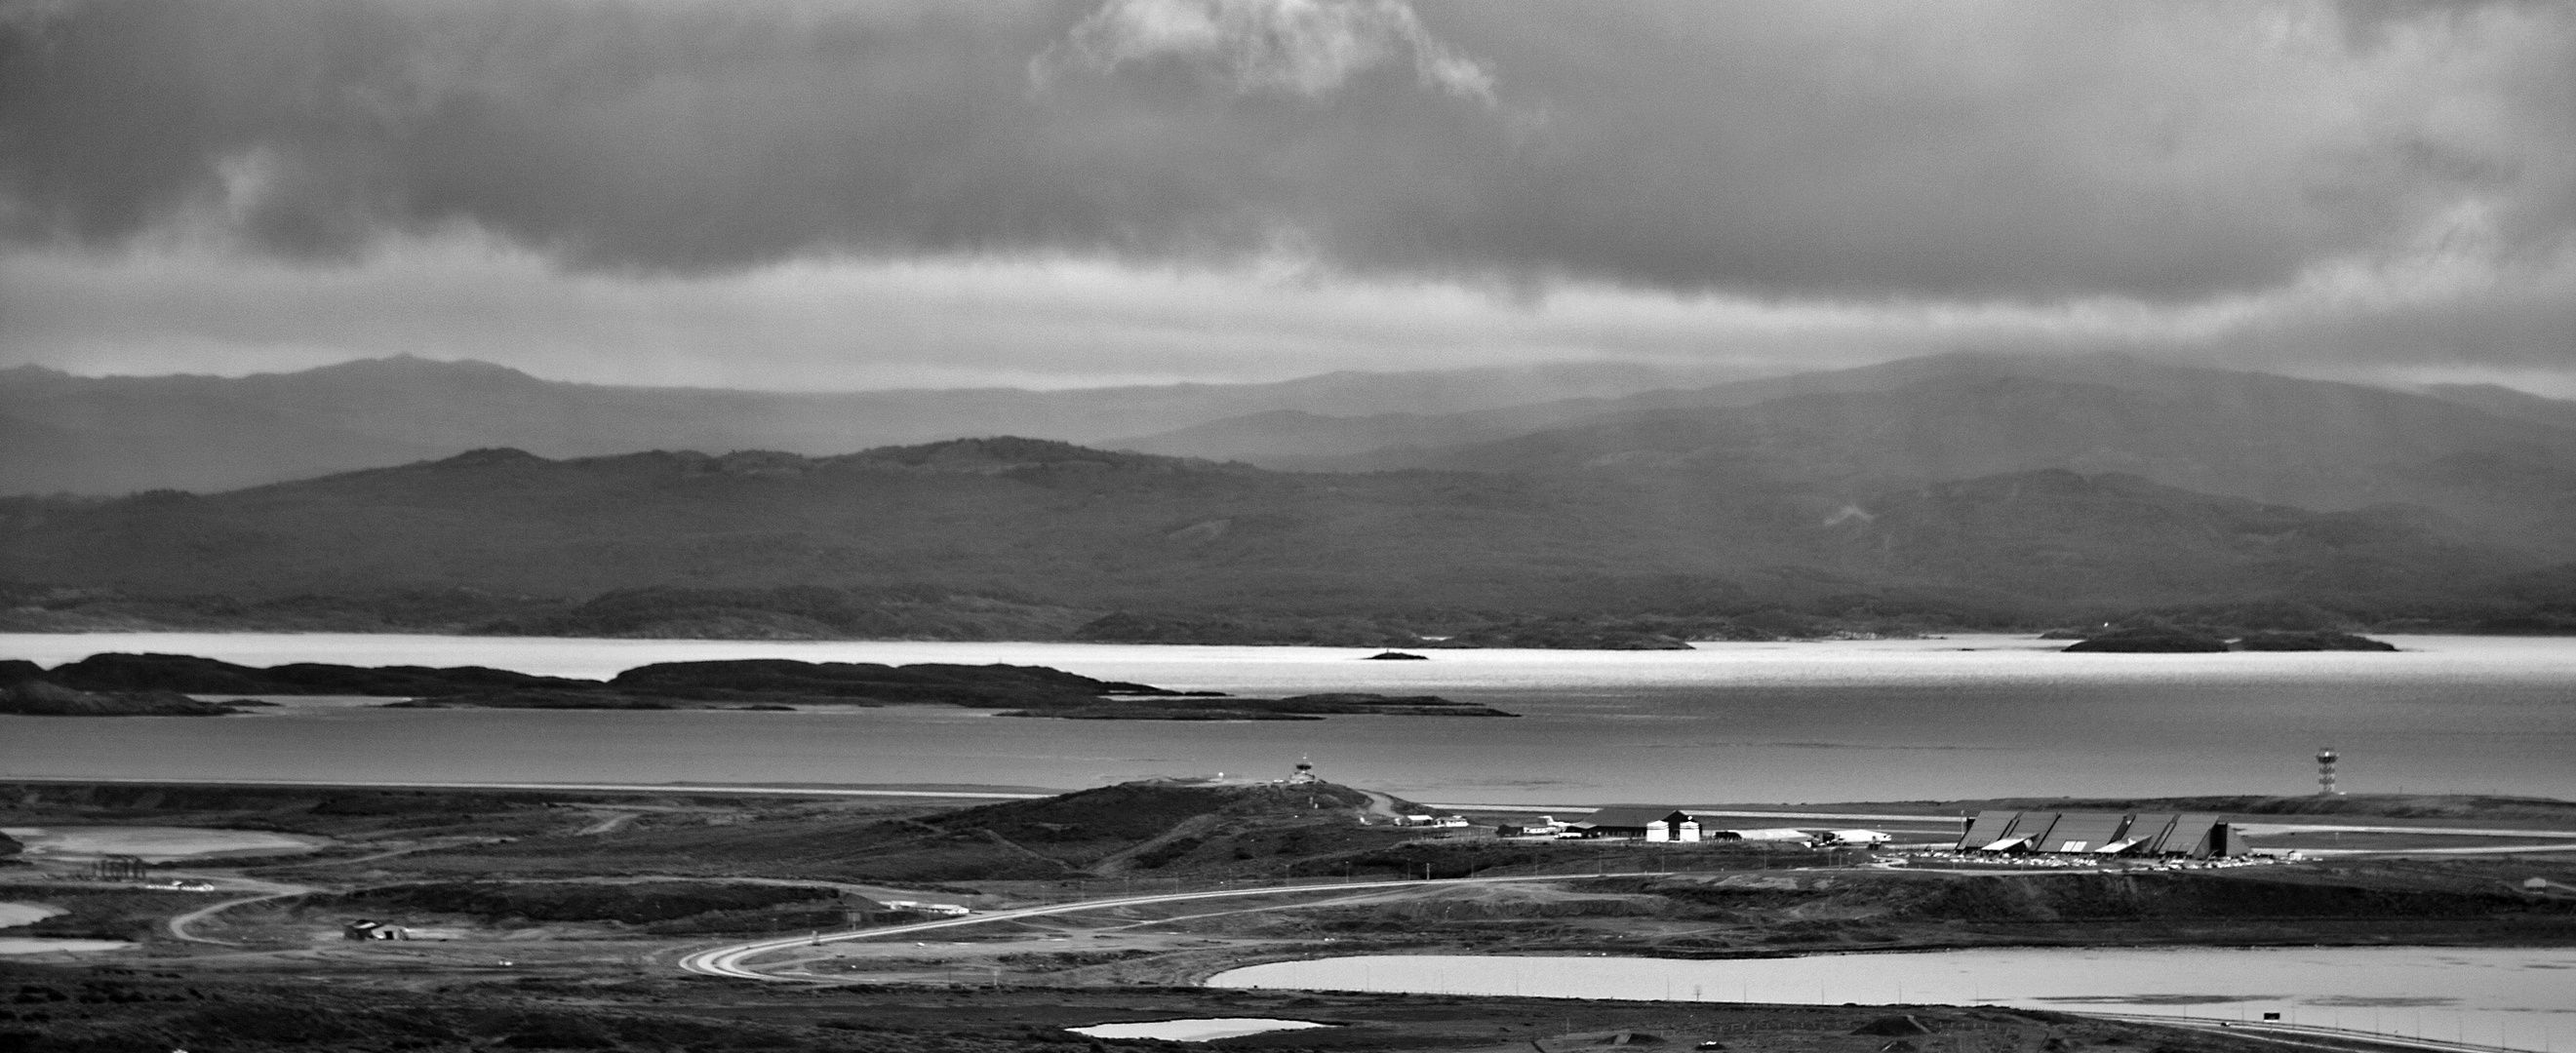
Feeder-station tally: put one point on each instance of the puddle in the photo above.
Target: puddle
(1195, 1029)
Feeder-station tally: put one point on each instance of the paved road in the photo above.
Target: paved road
(2256, 829)
(732, 960)
(1383, 805)
(267, 890)
(1838, 817)
(2488, 850)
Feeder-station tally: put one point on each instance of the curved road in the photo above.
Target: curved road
(268, 890)
(732, 960)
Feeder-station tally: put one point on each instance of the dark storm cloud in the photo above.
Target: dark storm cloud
(2026, 152)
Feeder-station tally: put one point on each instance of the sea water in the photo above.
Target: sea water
(1966, 716)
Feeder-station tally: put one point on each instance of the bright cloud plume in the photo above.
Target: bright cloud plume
(1301, 47)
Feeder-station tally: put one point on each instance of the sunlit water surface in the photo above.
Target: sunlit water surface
(154, 844)
(1837, 721)
(2514, 997)
(1197, 1029)
(16, 945)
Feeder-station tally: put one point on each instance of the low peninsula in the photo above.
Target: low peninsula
(38, 698)
(750, 684)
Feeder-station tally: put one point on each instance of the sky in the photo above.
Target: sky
(813, 195)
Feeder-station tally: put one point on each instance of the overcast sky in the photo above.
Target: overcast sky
(801, 194)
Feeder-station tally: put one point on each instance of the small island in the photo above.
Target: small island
(2176, 640)
(1295, 707)
(130, 684)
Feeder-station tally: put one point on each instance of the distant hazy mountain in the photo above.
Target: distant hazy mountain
(2507, 402)
(1961, 489)
(2306, 443)
(1322, 442)
(1052, 524)
(60, 433)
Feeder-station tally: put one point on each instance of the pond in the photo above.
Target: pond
(1196, 1029)
(2512, 997)
(154, 843)
(10, 945)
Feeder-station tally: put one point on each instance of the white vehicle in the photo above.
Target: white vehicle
(1862, 838)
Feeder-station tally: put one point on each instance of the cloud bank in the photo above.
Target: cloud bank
(2376, 184)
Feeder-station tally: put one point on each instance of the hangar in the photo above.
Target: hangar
(1639, 822)
(2190, 835)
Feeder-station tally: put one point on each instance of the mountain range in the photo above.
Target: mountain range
(1963, 490)
(61, 433)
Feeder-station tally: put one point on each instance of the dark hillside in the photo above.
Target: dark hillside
(2013, 532)
(1161, 827)
(1140, 810)
(1033, 539)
